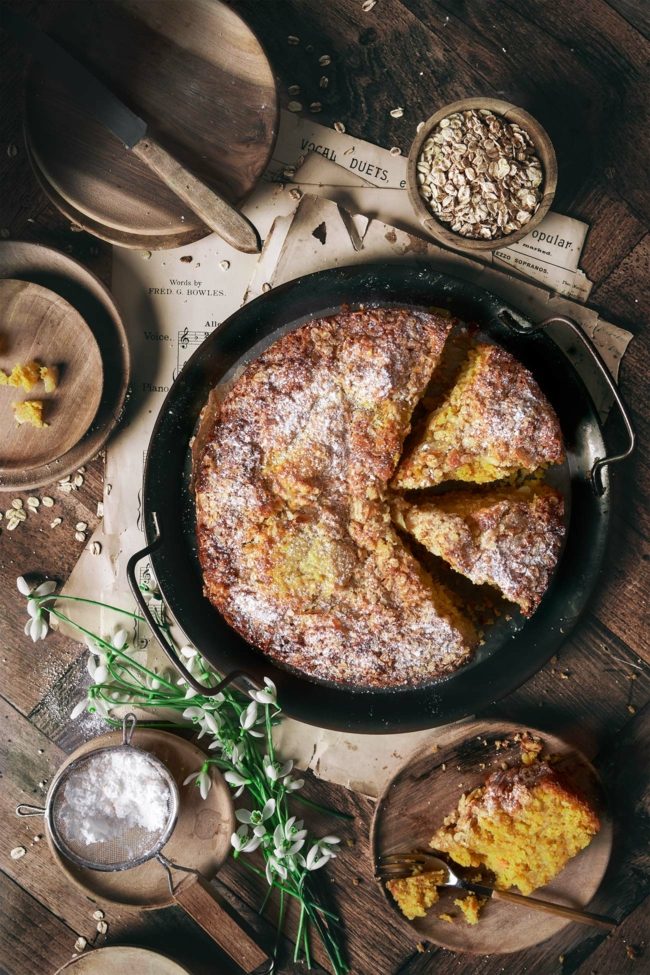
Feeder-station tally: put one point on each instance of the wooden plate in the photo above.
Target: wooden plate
(37, 324)
(199, 76)
(88, 296)
(422, 793)
(122, 958)
(201, 837)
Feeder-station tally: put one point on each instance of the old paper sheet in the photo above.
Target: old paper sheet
(172, 299)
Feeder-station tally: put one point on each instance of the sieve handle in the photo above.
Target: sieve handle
(162, 640)
(199, 901)
(24, 809)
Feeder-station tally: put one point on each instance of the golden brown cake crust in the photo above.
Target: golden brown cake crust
(510, 539)
(495, 415)
(295, 538)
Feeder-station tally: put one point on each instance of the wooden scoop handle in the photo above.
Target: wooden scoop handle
(198, 899)
(582, 917)
(213, 210)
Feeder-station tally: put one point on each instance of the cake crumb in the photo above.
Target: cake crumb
(471, 906)
(50, 377)
(29, 411)
(25, 376)
(449, 918)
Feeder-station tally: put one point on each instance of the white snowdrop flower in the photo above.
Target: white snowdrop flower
(100, 706)
(190, 778)
(257, 816)
(274, 866)
(234, 778)
(210, 723)
(193, 714)
(79, 708)
(23, 586)
(38, 629)
(249, 716)
(321, 852)
(45, 589)
(267, 694)
(204, 781)
(188, 652)
(190, 693)
(243, 842)
(276, 771)
(33, 610)
(97, 671)
(292, 785)
(119, 639)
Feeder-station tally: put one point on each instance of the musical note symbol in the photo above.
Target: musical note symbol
(184, 338)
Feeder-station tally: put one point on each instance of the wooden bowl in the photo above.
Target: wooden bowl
(442, 232)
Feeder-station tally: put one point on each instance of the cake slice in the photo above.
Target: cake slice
(524, 825)
(493, 423)
(508, 538)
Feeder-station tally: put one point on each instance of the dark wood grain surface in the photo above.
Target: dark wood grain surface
(582, 69)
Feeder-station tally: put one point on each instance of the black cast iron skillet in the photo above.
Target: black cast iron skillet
(504, 662)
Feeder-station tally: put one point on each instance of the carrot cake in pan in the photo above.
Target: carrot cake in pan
(295, 538)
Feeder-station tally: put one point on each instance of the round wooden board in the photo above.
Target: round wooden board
(37, 324)
(201, 838)
(123, 958)
(205, 87)
(81, 289)
(421, 794)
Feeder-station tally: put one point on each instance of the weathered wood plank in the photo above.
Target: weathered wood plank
(32, 940)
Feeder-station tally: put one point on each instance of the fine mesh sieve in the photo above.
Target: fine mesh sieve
(119, 847)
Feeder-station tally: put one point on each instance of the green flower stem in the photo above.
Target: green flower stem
(54, 598)
(324, 809)
(109, 646)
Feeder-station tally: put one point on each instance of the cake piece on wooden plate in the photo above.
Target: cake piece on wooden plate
(494, 423)
(509, 538)
(524, 825)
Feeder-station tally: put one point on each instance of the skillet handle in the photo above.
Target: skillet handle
(599, 464)
(161, 639)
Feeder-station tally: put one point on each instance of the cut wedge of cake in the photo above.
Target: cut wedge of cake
(494, 422)
(524, 825)
(509, 538)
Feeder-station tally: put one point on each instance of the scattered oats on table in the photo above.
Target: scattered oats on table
(396, 112)
(294, 89)
(293, 40)
(324, 60)
(80, 944)
(480, 174)
(18, 852)
(315, 107)
(47, 501)
(395, 151)
(339, 127)
(295, 106)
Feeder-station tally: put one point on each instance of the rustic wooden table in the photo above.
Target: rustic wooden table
(581, 68)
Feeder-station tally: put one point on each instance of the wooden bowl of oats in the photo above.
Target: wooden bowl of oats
(481, 174)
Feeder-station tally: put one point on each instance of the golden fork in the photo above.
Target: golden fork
(397, 865)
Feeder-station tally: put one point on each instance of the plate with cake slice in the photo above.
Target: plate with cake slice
(373, 485)
(506, 807)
